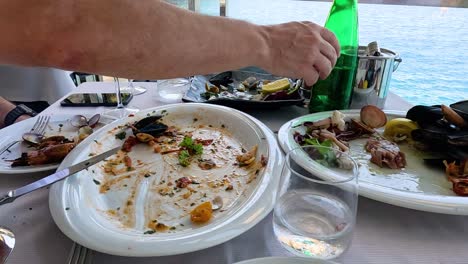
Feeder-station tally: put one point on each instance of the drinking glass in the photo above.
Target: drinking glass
(315, 211)
(121, 110)
(172, 90)
(131, 88)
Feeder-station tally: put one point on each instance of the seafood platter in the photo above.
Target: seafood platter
(32, 152)
(245, 89)
(416, 159)
(187, 177)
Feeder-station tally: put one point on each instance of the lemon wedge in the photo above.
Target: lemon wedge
(278, 85)
(399, 129)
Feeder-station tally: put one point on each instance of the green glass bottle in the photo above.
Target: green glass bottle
(334, 93)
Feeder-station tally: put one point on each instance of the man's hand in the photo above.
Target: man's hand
(301, 50)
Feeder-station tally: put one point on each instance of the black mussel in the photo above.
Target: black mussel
(146, 121)
(433, 136)
(155, 129)
(223, 78)
(424, 115)
(458, 139)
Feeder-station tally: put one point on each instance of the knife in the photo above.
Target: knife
(60, 175)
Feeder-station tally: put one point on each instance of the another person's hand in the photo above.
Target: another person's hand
(301, 50)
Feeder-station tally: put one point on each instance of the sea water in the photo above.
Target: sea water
(313, 224)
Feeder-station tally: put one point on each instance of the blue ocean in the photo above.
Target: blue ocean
(432, 41)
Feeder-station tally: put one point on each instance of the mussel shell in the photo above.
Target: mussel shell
(251, 82)
(33, 138)
(217, 203)
(458, 140)
(94, 120)
(461, 108)
(79, 121)
(146, 121)
(223, 78)
(433, 136)
(424, 115)
(155, 129)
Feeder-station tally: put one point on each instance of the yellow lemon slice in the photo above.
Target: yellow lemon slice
(399, 129)
(278, 85)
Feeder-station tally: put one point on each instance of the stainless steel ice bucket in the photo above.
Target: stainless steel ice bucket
(373, 75)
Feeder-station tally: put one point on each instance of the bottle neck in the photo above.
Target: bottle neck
(343, 21)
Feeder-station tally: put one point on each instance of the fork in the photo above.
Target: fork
(79, 255)
(39, 128)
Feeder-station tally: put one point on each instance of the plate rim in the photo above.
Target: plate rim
(443, 204)
(254, 213)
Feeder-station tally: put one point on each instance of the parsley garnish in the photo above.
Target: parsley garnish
(184, 158)
(121, 135)
(190, 149)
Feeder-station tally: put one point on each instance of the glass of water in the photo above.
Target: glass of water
(315, 211)
(172, 90)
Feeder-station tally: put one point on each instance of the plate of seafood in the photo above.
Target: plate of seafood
(25, 151)
(416, 159)
(248, 88)
(187, 177)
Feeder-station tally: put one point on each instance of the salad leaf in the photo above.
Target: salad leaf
(326, 155)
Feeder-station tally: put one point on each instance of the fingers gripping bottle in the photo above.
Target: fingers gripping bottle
(334, 93)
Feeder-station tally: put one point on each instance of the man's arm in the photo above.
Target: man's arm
(153, 39)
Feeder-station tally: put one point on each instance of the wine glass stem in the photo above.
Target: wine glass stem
(118, 93)
(130, 84)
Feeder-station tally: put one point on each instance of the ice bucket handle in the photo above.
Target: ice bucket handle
(398, 60)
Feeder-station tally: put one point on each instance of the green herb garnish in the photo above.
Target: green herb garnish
(96, 182)
(184, 158)
(121, 135)
(190, 149)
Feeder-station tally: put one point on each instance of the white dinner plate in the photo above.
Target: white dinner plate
(79, 209)
(58, 125)
(285, 260)
(417, 186)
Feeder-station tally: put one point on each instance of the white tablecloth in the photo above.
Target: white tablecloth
(383, 234)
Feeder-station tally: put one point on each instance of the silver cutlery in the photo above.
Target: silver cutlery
(38, 129)
(13, 194)
(80, 255)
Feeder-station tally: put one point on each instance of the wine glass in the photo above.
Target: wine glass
(315, 212)
(131, 88)
(121, 110)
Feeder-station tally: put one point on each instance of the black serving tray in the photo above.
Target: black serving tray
(197, 88)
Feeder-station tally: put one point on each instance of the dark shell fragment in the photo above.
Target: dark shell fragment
(223, 78)
(150, 125)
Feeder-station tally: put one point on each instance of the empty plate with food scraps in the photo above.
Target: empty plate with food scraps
(392, 154)
(188, 176)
